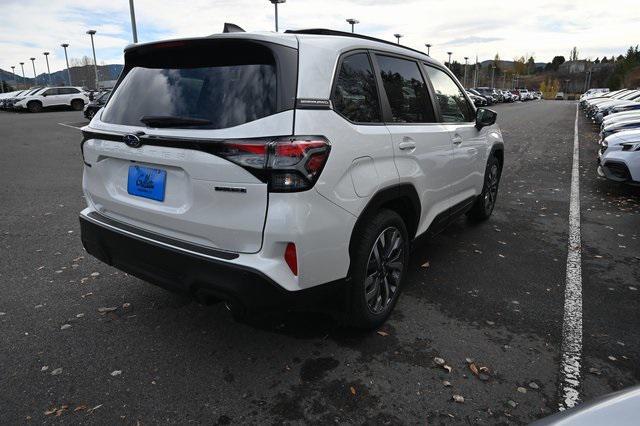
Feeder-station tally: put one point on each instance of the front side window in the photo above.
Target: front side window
(51, 92)
(355, 95)
(453, 104)
(406, 90)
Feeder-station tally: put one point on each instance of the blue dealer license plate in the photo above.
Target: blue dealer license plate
(147, 182)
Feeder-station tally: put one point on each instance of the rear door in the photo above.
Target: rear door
(422, 147)
(178, 148)
(457, 115)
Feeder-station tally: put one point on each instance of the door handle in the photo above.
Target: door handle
(456, 139)
(406, 146)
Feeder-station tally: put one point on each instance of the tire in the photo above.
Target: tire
(378, 267)
(77, 104)
(90, 115)
(34, 106)
(486, 201)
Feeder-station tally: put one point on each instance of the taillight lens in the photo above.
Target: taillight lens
(286, 164)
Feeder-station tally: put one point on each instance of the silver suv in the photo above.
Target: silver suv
(266, 169)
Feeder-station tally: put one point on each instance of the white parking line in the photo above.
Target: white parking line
(572, 322)
(70, 125)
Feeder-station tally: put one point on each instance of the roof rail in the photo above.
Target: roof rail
(323, 31)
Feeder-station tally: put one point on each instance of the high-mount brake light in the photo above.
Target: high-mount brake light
(289, 164)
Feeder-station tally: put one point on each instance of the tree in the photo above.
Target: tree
(519, 66)
(597, 61)
(573, 56)
(531, 65)
(556, 62)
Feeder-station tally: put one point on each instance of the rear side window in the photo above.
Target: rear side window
(355, 95)
(406, 90)
(210, 84)
(453, 104)
(67, 90)
(50, 92)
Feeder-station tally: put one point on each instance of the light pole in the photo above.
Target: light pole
(66, 58)
(466, 62)
(35, 78)
(493, 74)
(428, 49)
(353, 23)
(275, 3)
(134, 30)
(24, 83)
(95, 62)
(398, 36)
(449, 53)
(15, 81)
(46, 57)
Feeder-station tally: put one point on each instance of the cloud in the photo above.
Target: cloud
(30, 27)
(465, 41)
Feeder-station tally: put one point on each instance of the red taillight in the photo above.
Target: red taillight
(291, 257)
(286, 164)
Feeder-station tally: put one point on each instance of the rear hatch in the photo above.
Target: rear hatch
(180, 147)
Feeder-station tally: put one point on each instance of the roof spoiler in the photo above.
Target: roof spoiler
(232, 28)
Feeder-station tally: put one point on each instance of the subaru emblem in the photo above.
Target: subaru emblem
(132, 141)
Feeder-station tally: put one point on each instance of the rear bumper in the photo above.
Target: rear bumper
(186, 270)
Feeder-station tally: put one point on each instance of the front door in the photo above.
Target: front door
(457, 115)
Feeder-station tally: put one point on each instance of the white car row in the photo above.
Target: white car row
(618, 114)
(36, 99)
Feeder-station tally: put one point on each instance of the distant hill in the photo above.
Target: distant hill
(81, 76)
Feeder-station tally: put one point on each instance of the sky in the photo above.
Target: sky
(538, 28)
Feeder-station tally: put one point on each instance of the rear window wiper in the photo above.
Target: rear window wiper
(172, 121)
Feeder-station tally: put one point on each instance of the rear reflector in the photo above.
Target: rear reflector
(291, 257)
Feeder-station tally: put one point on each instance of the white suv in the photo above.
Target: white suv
(286, 168)
(73, 97)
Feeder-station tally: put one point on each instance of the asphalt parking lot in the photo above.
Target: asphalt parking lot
(82, 342)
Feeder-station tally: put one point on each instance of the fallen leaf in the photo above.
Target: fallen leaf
(115, 373)
(382, 333)
(425, 265)
(353, 390)
(80, 408)
(446, 367)
(438, 361)
(522, 390)
(458, 398)
(65, 326)
(473, 369)
(56, 372)
(104, 310)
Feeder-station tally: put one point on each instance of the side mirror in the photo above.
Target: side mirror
(44, 95)
(485, 117)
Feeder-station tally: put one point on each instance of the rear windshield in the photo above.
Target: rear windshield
(220, 86)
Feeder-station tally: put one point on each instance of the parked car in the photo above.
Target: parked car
(73, 97)
(98, 102)
(597, 110)
(489, 99)
(203, 187)
(617, 408)
(524, 94)
(593, 92)
(619, 157)
(619, 117)
(478, 101)
(10, 103)
(488, 93)
(629, 123)
(516, 95)
(560, 96)
(6, 97)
